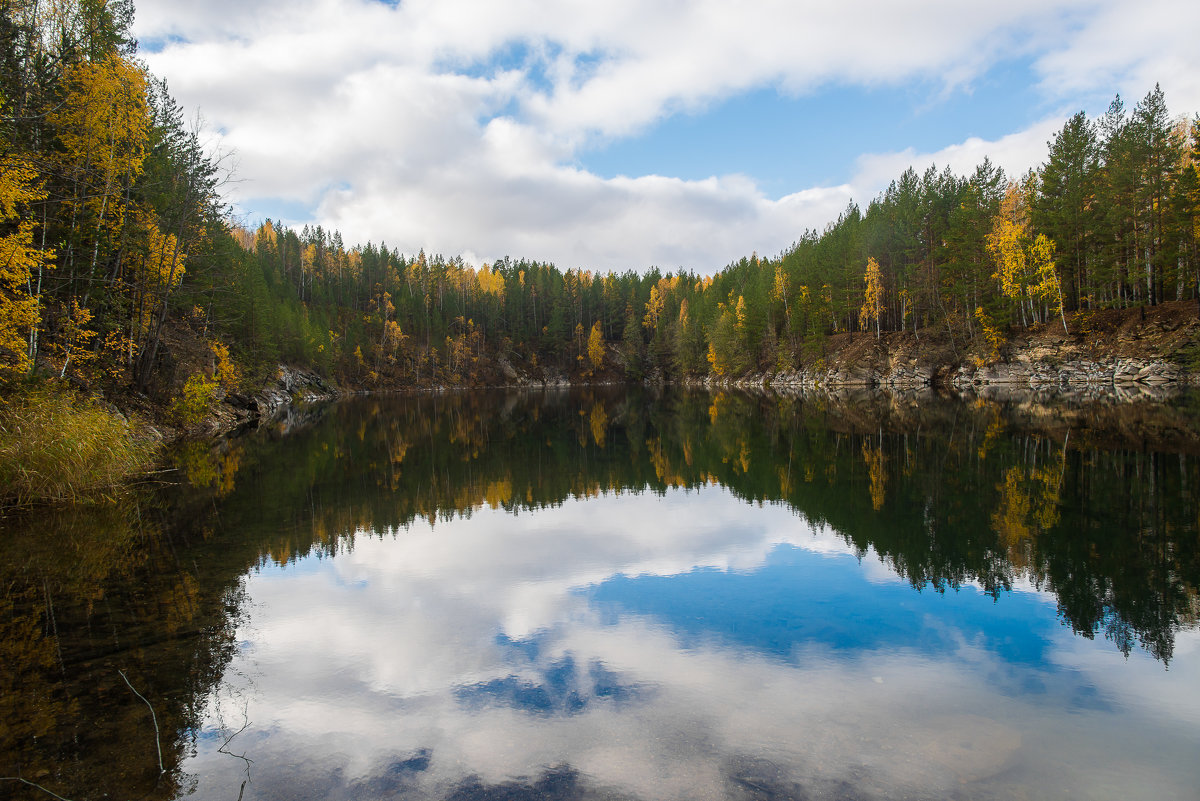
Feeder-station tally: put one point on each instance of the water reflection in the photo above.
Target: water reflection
(947, 493)
(602, 594)
(90, 593)
(747, 651)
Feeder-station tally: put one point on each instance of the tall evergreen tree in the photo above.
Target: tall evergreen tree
(1064, 207)
(1155, 156)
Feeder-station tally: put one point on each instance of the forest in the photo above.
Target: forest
(123, 272)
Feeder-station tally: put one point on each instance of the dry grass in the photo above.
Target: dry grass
(57, 447)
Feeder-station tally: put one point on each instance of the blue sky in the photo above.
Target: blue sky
(630, 134)
(785, 142)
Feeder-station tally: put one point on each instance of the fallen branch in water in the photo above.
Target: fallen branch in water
(33, 784)
(242, 756)
(153, 717)
(157, 742)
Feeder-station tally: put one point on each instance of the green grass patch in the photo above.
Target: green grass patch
(58, 447)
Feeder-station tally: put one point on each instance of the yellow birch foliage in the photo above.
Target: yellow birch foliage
(1006, 242)
(595, 347)
(243, 237)
(199, 392)
(116, 356)
(308, 259)
(872, 307)
(491, 282)
(598, 423)
(19, 257)
(393, 341)
(1025, 266)
(158, 264)
(654, 308)
(779, 288)
(103, 124)
(73, 348)
(224, 370)
(164, 260)
(718, 366)
(265, 238)
(1011, 272)
(991, 334)
(1028, 506)
(1046, 286)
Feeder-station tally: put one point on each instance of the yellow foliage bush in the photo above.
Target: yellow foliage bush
(224, 370)
(991, 334)
(199, 392)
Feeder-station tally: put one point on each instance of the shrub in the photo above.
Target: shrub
(991, 335)
(225, 371)
(56, 447)
(199, 392)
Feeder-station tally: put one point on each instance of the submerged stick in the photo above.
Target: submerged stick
(153, 717)
(224, 749)
(33, 784)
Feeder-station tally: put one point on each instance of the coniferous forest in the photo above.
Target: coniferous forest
(121, 270)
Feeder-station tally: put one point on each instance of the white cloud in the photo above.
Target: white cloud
(1127, 47)
(1139, 679)
(683, 56)
(1016, 153)
(453, 125)
(577, 219)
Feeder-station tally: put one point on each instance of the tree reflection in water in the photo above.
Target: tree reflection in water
(1093, 502)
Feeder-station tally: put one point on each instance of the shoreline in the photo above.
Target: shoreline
(1135, 354)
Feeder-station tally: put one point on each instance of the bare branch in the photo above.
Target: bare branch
(34, 785)
(153, 717)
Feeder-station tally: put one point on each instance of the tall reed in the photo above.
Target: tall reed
(56, 446)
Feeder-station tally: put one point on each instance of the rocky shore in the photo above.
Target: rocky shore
(291, 385)
(1129, 354)
(1112, 352)
(1022, 373)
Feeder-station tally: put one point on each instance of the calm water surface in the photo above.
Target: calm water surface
(601, 594)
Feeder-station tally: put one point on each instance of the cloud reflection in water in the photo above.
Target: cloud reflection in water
(685, 646)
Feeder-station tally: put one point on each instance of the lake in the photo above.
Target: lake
(625, 594)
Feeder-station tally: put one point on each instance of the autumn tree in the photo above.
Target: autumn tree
(1025, 269)
(872, 305)
(595, 346)
(102, 125)
(20, 258)
(727, 353)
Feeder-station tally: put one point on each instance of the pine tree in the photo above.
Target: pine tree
(1155, 154)
(1064, 207)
